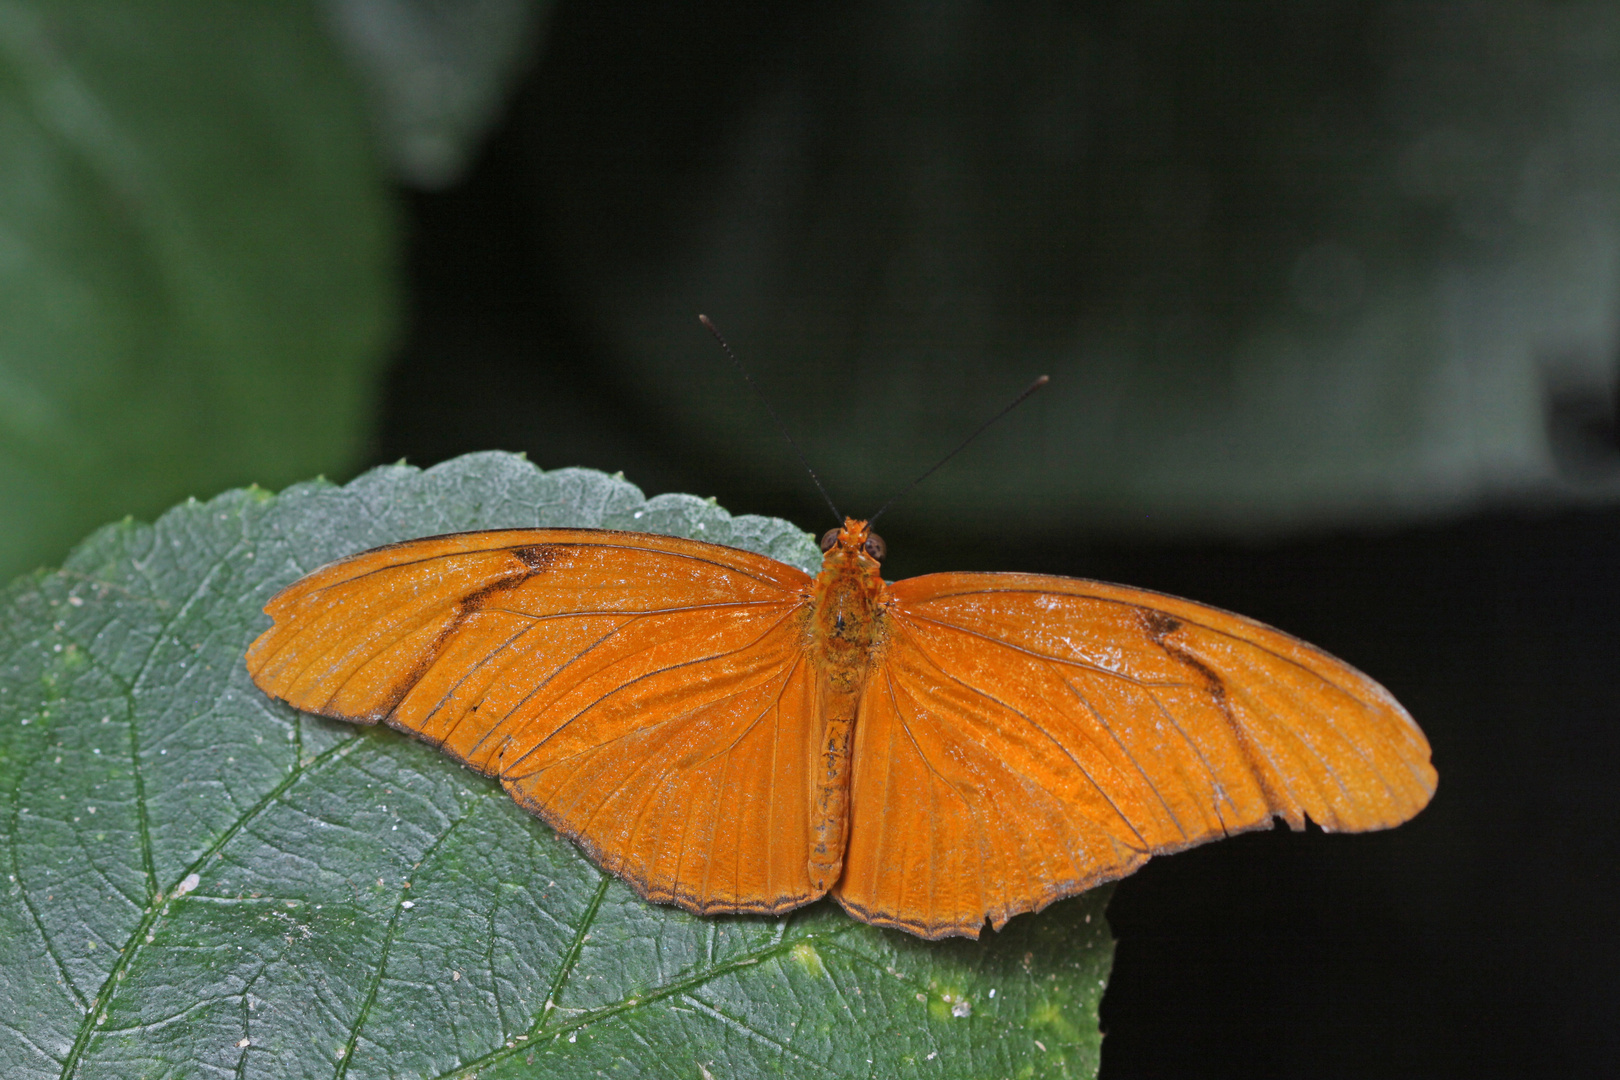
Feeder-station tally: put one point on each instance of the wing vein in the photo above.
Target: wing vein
(1316, 753)
(1038, 726)
(481, 663)
(630, 619)
(1037, 654)
(650, 760)
(647, 550)
(1188, 620)
(638, 679)
(1355, 748)
(1102, 721)
(888, 680)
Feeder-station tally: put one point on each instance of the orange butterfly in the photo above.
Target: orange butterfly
(729, 734)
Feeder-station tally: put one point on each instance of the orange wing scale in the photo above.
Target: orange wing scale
(647, 696)
(667, 704)
(1025, 738)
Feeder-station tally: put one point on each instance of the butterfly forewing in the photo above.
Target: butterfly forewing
(648, 696)
(1033, 736)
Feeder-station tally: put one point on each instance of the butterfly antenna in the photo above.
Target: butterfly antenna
(781, 427)
(1009, 407)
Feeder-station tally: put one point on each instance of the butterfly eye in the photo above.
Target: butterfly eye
(829, 540)
(875, 546)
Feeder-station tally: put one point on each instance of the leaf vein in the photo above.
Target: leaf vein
(388, 942)
(131, 947)
(778, 947)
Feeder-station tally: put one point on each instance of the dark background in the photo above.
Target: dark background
(1477, 941)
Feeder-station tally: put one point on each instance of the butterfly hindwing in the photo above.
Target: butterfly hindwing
(648, 696)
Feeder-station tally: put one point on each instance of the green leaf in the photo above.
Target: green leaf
(196, 260)
(200, 881)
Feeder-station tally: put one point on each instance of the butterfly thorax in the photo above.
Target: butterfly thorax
(846, 624)
(846, 628)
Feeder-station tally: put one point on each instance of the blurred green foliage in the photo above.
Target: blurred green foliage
(197, 260)
(437, 72)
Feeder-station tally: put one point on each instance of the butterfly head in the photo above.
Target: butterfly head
(855, 539)
(848, 600)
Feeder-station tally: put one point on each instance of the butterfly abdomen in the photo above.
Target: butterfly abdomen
(846, 630)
